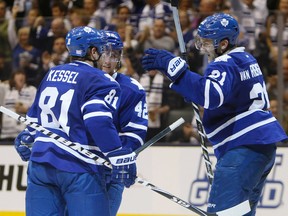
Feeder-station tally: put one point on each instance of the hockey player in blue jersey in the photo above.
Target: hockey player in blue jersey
(76, 101)
(236, 118)
(131, 118)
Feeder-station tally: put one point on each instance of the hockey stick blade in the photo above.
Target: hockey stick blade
(175, 199)
(96, 158)
(208, 165)
(160, 135)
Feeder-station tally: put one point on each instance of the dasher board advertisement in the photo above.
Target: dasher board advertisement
(176, 169)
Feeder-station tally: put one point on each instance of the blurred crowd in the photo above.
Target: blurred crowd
(32, 40)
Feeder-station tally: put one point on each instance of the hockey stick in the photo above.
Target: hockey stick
(98, 159)
(80, 149)
(160, 135)
(208, 164)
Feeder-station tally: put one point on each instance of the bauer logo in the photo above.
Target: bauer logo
(272, 195)
(175, 65)
(126, 160)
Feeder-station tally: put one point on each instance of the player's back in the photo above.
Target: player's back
(68, 97)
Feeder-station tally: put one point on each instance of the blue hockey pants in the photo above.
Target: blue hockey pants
(240, 175)
(51, 191)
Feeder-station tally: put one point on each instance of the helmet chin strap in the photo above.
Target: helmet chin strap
(95, 61)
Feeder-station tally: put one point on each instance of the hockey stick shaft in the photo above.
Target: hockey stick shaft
(208, 164)
(100, 160)
(80, 149)
(160, 135)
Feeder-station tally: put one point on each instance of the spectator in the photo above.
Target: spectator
(59, 9)
(123, 15)
(155, 9)
(38, 32)
(58, 56)
(96, 16)
(159, 38)
(130, 61)
(5, 69)
(156, 88)
(18, 97)
(42, 37)
(272, 33)
(8, 36)
(187, 7)
(26, 57)
(251, 16)
(79, 17)
(186, 28)
(31, 17)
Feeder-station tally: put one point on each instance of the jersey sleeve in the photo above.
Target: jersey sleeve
(134, 123)
(210, 90)
(97, 114)
(131, 119)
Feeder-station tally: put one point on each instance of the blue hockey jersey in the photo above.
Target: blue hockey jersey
(131, 119)
(77, 102)
(233, 94)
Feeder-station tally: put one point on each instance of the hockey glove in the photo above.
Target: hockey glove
(165, 62)
(23, 144)
(124, 167)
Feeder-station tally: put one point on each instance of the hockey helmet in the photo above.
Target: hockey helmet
(218, 27)
(80, 39)
(113, 38)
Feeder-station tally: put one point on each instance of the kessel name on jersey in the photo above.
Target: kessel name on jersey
(62, 76)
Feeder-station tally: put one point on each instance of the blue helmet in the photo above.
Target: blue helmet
(218, 27)
(113, 38)
(80, 39)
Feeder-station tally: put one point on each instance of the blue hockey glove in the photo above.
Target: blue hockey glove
(165, 62)
(23, 144)
(124, 166)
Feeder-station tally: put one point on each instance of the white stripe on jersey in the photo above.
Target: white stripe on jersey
(94, 101)
(218, 89)
(240, 133)
(232, 120)
(68, 149)
(132, 135)
(137, 126)
(206, 94)
(95, 114)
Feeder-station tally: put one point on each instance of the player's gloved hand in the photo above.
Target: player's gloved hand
(165, 62)
(23, 144)
(124, 166)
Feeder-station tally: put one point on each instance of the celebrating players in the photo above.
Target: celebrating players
(77, 101)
